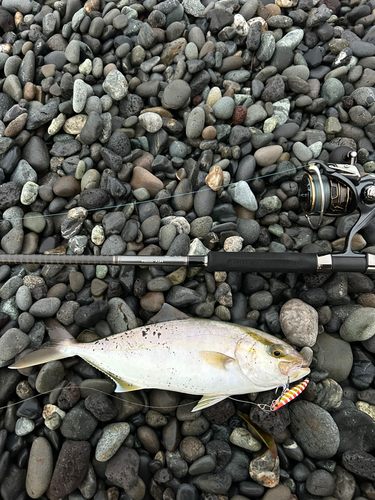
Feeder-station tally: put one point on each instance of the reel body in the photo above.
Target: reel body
(336, 189)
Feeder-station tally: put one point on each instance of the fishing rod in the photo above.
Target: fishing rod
(334, 189)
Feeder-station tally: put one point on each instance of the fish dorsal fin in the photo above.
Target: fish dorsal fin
(209, 400)
(167, 313)
(121, 385)
(56, 331)
(216, 359)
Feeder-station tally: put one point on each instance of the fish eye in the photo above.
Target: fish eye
(276, 351)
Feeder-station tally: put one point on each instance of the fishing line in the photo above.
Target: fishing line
(142, 405)
(136, 203)
(263, 406)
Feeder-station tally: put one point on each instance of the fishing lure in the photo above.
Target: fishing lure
(288, 395)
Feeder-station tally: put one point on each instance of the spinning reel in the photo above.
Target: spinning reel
(336, 189)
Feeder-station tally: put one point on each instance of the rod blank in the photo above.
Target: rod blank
(66, 260)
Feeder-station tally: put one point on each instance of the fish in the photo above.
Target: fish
(175, 352)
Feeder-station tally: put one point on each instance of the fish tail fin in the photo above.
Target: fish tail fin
(56, 349)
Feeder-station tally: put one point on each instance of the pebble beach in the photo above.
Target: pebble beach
(179, 128)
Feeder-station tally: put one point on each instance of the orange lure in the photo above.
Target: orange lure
(288, 395)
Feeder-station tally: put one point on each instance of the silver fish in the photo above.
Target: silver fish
(182, 354)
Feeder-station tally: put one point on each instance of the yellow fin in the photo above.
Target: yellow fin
(209, 400)
(121, 385)
(216, 359)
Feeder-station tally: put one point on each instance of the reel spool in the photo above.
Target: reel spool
(336, 189)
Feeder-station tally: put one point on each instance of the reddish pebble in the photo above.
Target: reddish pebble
(239, 115)
(197, 100)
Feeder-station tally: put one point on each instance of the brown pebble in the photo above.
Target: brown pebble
(48, 70)
(91, 5)
(209, 133)
(39, 94)
(274, 9)
(26, 47)
(69, 396)
(243, 213)
(171, 435)
(229, 93)
(366, 299)
(143, 178)
(76, 281)
(197, 100)
(67, 186)
(98, 287)
(108, 68)
(215, 178)
(159, 110)
(145, 161)
(29, 91)
(191, 448)
(152, 301)
(148, 438)
(239, 115)
(181, 174)
(16, 125)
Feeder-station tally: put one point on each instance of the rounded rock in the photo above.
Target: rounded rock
(40, 468)
(299, 323)
(176, 94)
(314, 430)
(359, 325)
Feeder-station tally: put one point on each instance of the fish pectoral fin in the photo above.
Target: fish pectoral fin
(121, 385)
(217, 359)
(167, 313)
(208, 400)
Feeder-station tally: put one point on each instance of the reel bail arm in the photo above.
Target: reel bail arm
(337, 189)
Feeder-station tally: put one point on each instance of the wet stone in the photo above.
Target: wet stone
(319, 436)
(218, 483)
(71, 467)
(101, 407)
(40, 468)
(122, 469)
(78, 424)
(265, 470)
(110, 441)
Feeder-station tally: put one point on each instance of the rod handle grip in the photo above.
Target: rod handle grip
(247, 262)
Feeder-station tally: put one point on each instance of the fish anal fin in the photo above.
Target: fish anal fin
(209, 400)
(167, 313)
(56, 331)
(216, 359)
(121, 385)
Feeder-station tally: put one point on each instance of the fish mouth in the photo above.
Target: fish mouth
(295, 370)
